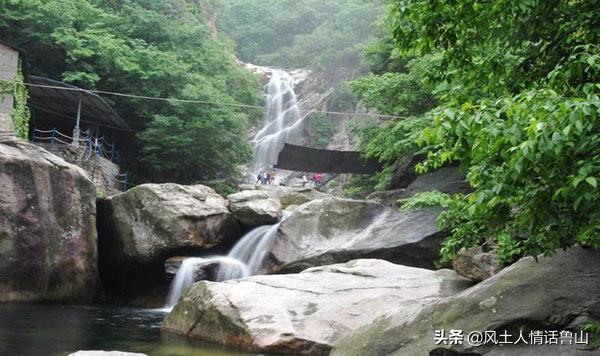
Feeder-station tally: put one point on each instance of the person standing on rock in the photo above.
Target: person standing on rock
(259, 177)
(318, 178)
(304, 180)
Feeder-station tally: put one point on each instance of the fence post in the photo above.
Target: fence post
(53, 136)
(125, 182)
(112, 153)
(33, 135)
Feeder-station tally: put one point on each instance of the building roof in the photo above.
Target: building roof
(11, 46)
(46, 95)
(307, 159)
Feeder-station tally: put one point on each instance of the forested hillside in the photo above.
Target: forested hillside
(289, 33)
(159, 48)
(508, 90)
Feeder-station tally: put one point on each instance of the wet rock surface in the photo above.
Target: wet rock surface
(558, 293)
(291, 195)
(334, 230)
(306, 312)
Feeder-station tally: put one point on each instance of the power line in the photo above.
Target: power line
(199, 101)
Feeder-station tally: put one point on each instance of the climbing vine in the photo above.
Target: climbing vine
(20, 113)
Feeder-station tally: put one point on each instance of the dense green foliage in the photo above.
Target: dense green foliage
(20, 113)
(146, 47)
(322, 130)
(593, 329)
(290, 33)
(425, 199)
(517, 103)
(397, 86)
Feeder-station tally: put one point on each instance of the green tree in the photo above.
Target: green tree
(518, 94)
(397, 87)
(320, 34)
(157, 48)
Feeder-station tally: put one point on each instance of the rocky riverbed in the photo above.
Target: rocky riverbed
(336, 275)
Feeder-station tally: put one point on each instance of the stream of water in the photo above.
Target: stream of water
(244, 259)
(36, 330)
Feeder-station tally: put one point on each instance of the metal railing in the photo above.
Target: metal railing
(95, 145)
(90, 145)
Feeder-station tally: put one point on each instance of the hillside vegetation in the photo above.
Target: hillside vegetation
(508, 90)
(160, 48)
(290, 33)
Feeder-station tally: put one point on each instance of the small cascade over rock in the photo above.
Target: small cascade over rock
(244, 259)
(283, 121)
(199, 268)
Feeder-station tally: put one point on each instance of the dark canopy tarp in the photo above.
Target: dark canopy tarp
(45, 95)
(306, 159)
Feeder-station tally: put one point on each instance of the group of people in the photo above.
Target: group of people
(269, 177)
(317, 178)
(266, 177)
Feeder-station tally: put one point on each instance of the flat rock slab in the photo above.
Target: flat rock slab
(335, 230)
(557, 293)
(306, 312)
(291, 195)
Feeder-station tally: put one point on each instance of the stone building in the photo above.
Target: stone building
(9, 65)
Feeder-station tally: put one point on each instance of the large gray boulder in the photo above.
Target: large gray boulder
(334, 230)
(151, 220)
(142, 227)
(306, 312)
(47, 227)
(558, 293)
(254, 208)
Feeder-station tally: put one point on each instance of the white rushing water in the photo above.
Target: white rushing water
(244, 259)
(282, 121)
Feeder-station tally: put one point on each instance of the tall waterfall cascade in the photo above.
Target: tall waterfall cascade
(283, 120)
(283, 123)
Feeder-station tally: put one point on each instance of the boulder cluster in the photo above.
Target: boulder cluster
(342, 276)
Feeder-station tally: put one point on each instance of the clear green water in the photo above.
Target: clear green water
(32, 330)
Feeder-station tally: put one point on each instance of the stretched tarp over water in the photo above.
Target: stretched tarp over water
(306, 159)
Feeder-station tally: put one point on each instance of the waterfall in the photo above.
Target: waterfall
(282, 120)
(187, 273)
(244, 259)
